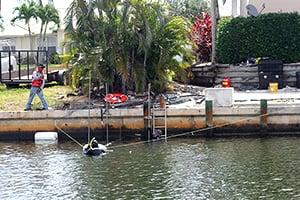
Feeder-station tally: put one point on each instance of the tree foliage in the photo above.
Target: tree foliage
(201, 36)
(1, 23)
(127, 43)
(25, 12)
(46, 14)
(273, 35)
(189, 9)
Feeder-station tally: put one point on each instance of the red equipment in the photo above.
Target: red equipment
(115, 98)
(226, 82)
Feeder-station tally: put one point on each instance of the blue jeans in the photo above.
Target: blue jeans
(36, 91)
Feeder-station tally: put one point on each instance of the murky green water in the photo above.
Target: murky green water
(263, 168)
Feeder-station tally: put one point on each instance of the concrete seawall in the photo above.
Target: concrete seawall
(238, 120)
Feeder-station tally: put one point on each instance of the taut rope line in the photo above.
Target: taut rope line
(169, 137)
(186, 133)
(67, 134)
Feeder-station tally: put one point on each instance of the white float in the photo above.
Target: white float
(46, 136)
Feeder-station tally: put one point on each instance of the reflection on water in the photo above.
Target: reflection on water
(263, 168)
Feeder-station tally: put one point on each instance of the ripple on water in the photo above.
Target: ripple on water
(180, 169)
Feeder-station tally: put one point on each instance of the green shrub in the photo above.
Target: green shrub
(273, 35)
(54, 58)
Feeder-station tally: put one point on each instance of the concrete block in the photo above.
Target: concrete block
(221, 97)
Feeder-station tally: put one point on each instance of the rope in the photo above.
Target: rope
(67, 135)
(187, 133)
(169, 137)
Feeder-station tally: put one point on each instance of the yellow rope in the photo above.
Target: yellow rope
(186, 133)
(67, 135)
(169, 137)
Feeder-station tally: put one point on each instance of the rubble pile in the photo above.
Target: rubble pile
(179, 94)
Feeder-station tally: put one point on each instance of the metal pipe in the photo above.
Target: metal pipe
(89, 110)
(149, 110)
(9, 65)
(107, 112)
(19, 54)
(28, 65)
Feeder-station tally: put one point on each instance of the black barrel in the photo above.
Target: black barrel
(270, 71)
(298, 79)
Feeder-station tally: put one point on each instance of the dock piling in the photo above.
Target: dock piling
(147, 125)
(209, 116)
(263, 116)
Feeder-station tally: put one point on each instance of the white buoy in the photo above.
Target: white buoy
(45, 137)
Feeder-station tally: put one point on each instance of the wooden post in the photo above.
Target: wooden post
(147, 117)
(209, 116)
(263, 116)
(209, 113)
(147, 129)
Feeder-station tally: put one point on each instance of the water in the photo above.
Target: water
(261, 168)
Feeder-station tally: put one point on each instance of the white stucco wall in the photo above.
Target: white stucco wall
(22, 42)
(238, 7)
(277, 5)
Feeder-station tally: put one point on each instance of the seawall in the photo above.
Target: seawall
(238, 120)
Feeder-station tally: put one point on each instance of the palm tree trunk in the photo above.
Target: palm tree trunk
(30, 37)
(41, 36)
(44, 37)
(31, 45)
(40, 40)
(213, 30)
(145, 59)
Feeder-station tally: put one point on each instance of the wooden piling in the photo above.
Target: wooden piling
(263, 116)
(209, 116)
(147, 117)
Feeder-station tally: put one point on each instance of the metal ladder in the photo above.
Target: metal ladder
(159, 115)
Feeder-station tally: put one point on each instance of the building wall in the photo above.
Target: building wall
(22, 42)
(236, 8)
(277, 5)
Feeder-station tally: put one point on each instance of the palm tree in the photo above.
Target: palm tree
(188, 8)
(1, 23)
(128, 41)
(51, 15)
(46, 14)
(26, 12)
(214, 18)
(41, 14)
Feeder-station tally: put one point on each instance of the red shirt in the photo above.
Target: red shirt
(37, 79)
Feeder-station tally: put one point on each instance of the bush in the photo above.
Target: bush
(54, 58)
(273, 35)
(201, 36)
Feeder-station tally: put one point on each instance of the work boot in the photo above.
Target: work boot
(42, 109)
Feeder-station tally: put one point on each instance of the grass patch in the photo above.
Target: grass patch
(15, 99)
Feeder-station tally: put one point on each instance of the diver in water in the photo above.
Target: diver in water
(94, 143)
(94, 148)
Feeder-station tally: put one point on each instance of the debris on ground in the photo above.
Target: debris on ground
(180, 94)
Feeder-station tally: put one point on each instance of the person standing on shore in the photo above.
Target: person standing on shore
(37, 85)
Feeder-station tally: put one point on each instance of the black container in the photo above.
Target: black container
(298, 79)
(270, 66)
(270, 71)
(265, 78)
